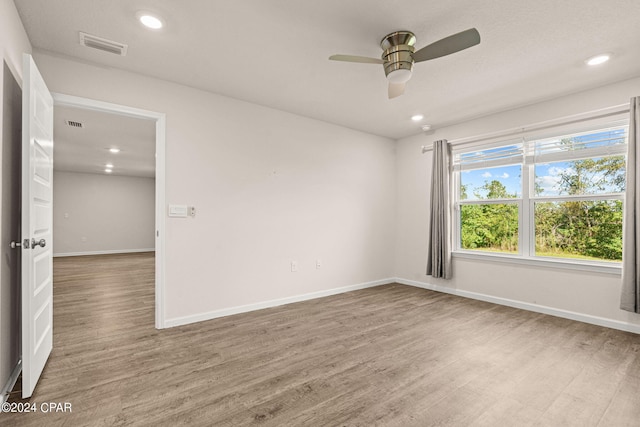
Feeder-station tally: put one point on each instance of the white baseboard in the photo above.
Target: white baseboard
(8, 386)
(586, 318)
(109, 252)
(178, 321)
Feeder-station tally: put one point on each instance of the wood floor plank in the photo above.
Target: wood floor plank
(387, 356)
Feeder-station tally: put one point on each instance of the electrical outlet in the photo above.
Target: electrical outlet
(318, 263)
(294, 266)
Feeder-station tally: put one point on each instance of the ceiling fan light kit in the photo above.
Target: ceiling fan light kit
(399, 55)
(398, 62)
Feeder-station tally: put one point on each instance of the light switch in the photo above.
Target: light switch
(178, 211)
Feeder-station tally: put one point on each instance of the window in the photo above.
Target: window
(553, 197)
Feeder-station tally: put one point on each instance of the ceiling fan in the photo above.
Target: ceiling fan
(399, 55)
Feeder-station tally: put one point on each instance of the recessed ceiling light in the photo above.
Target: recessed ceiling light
(417, 117)
(108, 170)
(109, 166)
(150, 21)
(598, 59)
(114, 150)
(426, 127)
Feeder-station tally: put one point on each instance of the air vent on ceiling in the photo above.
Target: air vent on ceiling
(74, 124)
(99, 43)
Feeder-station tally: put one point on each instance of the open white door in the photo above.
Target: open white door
(37, 220)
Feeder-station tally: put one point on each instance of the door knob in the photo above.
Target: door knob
(25, 244)
(41, 243)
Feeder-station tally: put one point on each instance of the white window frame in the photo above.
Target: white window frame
(527, 200)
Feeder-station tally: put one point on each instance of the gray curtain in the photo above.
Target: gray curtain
(439, 254)
(630, 297)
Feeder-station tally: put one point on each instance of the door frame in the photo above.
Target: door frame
(160, 119)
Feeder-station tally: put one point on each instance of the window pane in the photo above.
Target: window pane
(579, 229)
(577, 177)
(490, 227)
(491, 183)
(591, 140)
(505, 154)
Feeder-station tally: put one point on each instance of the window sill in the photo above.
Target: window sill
(567, 264)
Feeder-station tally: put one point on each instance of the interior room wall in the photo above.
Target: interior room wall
(593, 296)
(13, 42)
(97, 214)
(269, 188)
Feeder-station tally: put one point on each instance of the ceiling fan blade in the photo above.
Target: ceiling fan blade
(353, 58)
(448, 45)
(395, 90)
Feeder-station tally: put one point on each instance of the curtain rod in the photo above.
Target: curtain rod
(576, 118)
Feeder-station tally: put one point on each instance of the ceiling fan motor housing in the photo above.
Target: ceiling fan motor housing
(398, 49)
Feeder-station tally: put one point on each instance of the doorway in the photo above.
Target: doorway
(10, 298)
(89, 106)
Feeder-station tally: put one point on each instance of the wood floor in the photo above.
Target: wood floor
(387, 356)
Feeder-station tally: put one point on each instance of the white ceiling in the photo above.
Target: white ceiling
(275, 52)
(86, 149)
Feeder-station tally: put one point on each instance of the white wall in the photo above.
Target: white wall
(13, 42)
(589, 294)
(269, 187)
(95, 213)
